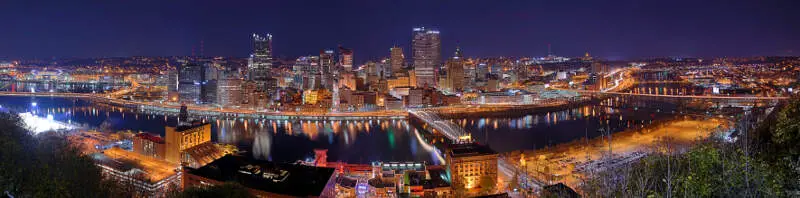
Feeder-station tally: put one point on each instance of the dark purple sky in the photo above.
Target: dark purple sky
(609, 29)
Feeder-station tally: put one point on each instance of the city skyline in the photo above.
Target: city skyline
(617, 30)
(413, 98)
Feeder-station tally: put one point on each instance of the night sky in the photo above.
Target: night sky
(608, 29)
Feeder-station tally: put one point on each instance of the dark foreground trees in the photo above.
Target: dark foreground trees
(45, 165)
(706, 170)
(232, 190)
(764, 162)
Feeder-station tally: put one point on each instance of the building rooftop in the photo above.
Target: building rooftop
(121, 160)
(347, 182)
(438, 178)
(470, 149)
(150, 137)
(381, 183)
(193, 124)
(279, 178)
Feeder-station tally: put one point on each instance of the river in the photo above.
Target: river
(362, 141)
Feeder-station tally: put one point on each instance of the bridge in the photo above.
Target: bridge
(689, 96)
(451, 130)
(63, 82)
(455, 133)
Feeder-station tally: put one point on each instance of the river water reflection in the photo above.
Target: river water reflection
(348, 141)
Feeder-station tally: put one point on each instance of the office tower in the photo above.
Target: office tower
(307, 65)
(481, 72)
(190, 79)
(208, 89)
(346, 58)
(261, 61)
(172, 81)
(385, 68)
(396, 57)
(455, 72)
(326, 62)
(426, 48)
(229, 91)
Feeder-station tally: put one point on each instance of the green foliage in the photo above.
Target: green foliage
(708, 169)
(46, 165)
(785, 134)
(232, 190)
(765, 162)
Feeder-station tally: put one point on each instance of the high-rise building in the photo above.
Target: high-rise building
(396, 58)
(326, 63)
(346, 58)
(261, 61)
(229, 92)
(385, 68)
(190, 79)
(455, 72)
(426, 47)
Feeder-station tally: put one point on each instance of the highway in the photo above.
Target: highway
(207, 110)
(687, 96)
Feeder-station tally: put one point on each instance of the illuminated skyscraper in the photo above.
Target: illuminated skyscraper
(326, 62)
(426, 48)
(396, 58)
(229, 92)
(261, 61)
(455, 72)
(190, 80)
(346, 58)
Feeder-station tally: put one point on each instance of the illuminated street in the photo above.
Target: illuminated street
(389, 99)
(570, 162)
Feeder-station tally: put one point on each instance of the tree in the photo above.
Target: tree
(786, 132)
(46, 165)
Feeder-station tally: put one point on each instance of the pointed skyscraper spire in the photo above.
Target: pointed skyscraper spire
(458, 52)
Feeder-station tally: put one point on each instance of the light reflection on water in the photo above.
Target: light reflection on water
(361, 141)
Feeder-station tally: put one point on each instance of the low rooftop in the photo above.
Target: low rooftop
(121, 160)
(187, 126)
(280, 178)
(470, 149)
(150, 137)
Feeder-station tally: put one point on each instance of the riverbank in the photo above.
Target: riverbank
(459, 111)
(568, 163)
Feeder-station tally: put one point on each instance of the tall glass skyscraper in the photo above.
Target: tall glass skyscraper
(190, 80)
(261, 61)
(326, 63)
(426, 47)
